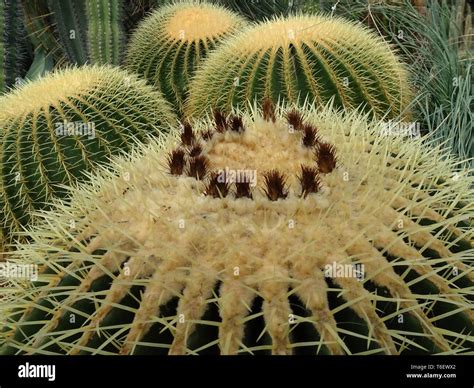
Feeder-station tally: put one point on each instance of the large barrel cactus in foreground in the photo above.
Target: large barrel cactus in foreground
(298, 58)
(294, 232)
(60, 126)
(169, 44)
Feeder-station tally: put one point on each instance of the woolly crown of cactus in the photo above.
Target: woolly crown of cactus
(280, 231)
(168, 45)
(302, 57)
(59, 126)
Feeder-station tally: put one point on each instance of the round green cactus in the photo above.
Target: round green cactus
(296, 232)
(168, 45)
(55, 129)
(298, 58)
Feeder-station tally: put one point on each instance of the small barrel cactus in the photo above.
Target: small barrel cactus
(298, 58)
(168, 45)
(58, 127)
(285, 232)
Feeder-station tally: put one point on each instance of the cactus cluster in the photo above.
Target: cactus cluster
(57, 128)
(77, 31)
(168, 46)
(89, 31)
(287, 231)
(302, 57)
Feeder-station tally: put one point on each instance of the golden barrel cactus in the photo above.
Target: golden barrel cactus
(284, 231)
(61, 126)
(169, 44)
(299, 58)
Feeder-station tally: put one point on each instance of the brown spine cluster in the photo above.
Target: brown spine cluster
(275, 185)
(243, 190)
(269, 110)
(207, 135)
(310, 136)
(237, 124)
(326, 157)
(309, 180)
(187, 134)
(221, 121)
(295, 120)
(176, 161)
(196, 150)
(198, 167)
(217, 188)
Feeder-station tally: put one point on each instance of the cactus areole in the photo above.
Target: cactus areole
(283, 231)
